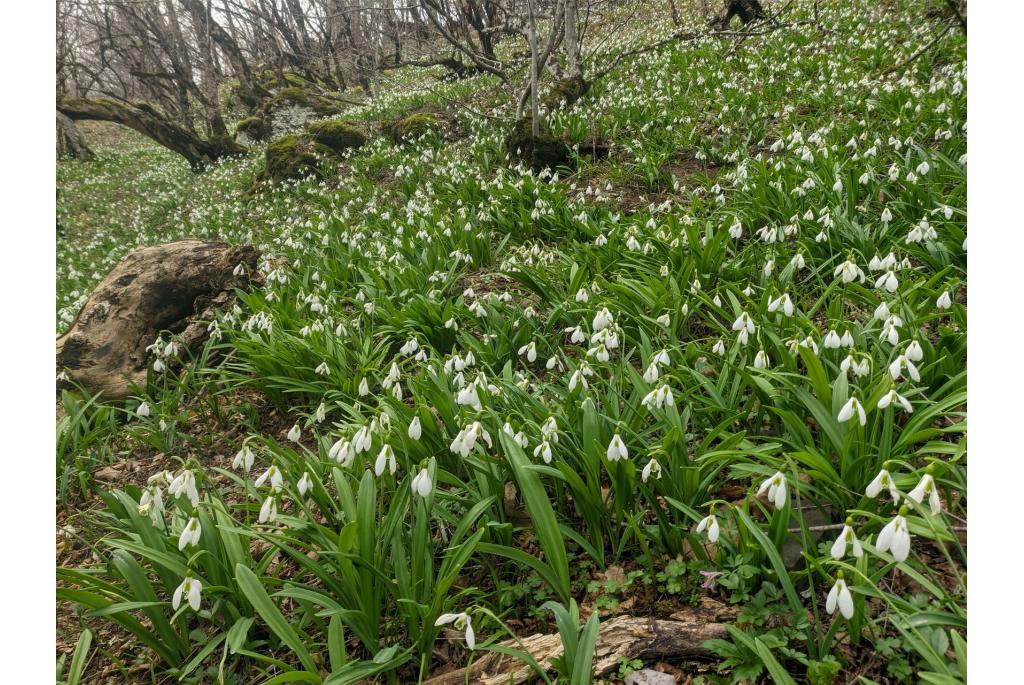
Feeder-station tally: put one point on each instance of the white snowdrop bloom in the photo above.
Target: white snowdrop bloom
(549, 429)
(530, 350)
(151, 503)
(832, 340)
(651, 374)
(882, 480)
(143, 410)
(602, 319)
(710, 524)
(914, 352)
(893, 396)
(305, 484)
(886, 216)
(736, 229)
(837, 187)
(342, 452)
(926, 488)
(761, 360)
(185, 484)
(888, 281)
(322, 369)
(783, 303)
(601, 239)
(664, 320)
(600, 352)
(923, 168)
(244, 459)
(191, 589)
(422, 484)
(553, 362)
(769, 267)
(717, 300)
(410, 346)
(798, 261)
(718, 347)
(809, 343)
(662, 357)
(415, 428)
(451, 324)
(653, 468)
(894, 173)
(901, 362)
(268, 511)
(776, 489)
(321, 413)
(190, 534)
(839, 596)
(582, 295)
(462, 622)
(944, 301)
(890, 332)
(847, 538)
(385, 458)
(742, 337)
(295, 433)
(882, 311)
(658, 398)
(577, 334)
(821, 237)
(847, 339)
(617, 449)
(543, 450)
(364, 388)
(895, 537)
(363, 439)
(744, 323)
(852, 406)
(848, 271)
(273, 476)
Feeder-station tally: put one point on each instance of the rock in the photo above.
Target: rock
(169, 287)
(253, 128)
(337, 135)
(412, 126)
(650, 677)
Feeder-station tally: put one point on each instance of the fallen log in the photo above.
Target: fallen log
(171, 287)
(679, 637)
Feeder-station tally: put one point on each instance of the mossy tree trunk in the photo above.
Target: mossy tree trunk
(746, 10)
(150, 123)
(70, 141)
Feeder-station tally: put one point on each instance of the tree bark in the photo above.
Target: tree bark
(746, 10)
(172, 287)
(622, 637)
(70, 141)
(150, 123)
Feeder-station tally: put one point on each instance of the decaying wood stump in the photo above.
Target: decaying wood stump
(680, 637)
(746, 10)
(170, 287)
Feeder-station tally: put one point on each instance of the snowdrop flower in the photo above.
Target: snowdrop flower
(190, 534)
(159, 366)
(652, 468)
(893, 396)
(658, 398)
(363, 439)
(882, 480)
(853, 406)
(305, 484)
(736, 230)
(651, 374)
(577, 335)
(886, 216)
(143, 411)
(798, 261)
(342, 452)
(268, 512)
(582, 295)
(761, 360)
(530, 350)
(832, 340)
(710, 524)
(602, 320)
(151, 503)
(784, 303)
(848, 271)
(840, 596)
(776, 489)
(462, 622)
(543, 450)
(617, 449)
(191, 589)
(273, 474)
(914, 352)
(185, 484)
(295, 433)
(664, 320)
(944, 301)
(882, 312)
(847, 339)
(422, 484)
(415, 429)
(244, 459)
(718, 347)
(926, 488)
(385, 458)
(895, 537)
(901, 362)
(410, 346)
(846, 538)
(744, 323)
(364, 388)
(923, 168)
(888, 281)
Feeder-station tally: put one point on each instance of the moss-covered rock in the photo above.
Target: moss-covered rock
(293, 157)
(565, 93)
(543, 151)
(337, 135)
(253, 128)
(298, 97)
(412, 126)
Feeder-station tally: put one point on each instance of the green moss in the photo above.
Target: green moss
(545, 150)
(254, 128)
(412, 126)
(337, 135)
(293, 157)
(566, 92)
